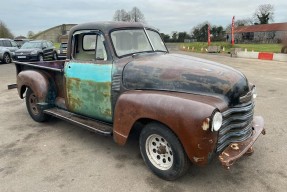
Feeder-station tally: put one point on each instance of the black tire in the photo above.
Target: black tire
(35, 112)
(6, 58)
(284, 50)
(40, 57)
(162, 152)
(55, 56)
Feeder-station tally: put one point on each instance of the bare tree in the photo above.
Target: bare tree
(239, 22)
(121, 15)
(264, 14)
(117, 15)
(30, 34)
(136, 15)
(4, 31)
(244, 22)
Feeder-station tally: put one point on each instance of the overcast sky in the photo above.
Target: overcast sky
(22, 16)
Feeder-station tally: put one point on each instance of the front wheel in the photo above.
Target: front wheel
(34, 110)
(40, 57)
(6, 58)
(55, 57)
(163, 152)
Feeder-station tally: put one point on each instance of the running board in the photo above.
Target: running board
(87, 123)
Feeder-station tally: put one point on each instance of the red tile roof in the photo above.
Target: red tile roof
(262, 28)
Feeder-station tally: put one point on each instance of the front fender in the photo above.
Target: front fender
(36, 80)
(187, 115)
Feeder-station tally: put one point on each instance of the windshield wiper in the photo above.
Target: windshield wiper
(160, 51)
(137, 53)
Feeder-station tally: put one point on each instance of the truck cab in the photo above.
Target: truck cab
(119, 77)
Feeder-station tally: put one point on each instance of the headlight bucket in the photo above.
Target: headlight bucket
(34, 52)
(216, 121)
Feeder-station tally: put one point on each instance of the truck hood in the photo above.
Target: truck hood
(180, 73)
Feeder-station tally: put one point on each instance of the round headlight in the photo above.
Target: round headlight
(34, 52)
(216, 121)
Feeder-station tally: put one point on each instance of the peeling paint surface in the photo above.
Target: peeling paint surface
(225, 154)
(236, 150)
(197, 159)
(89, 89)
(189, 75)
(235, 146)
(205, 125)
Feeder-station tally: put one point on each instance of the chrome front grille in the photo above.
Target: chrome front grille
(236, 126)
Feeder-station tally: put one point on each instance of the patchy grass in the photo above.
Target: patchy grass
(275, 48)
(57, 45)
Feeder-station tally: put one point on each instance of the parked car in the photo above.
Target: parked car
(7, 50)
(21, 42)
(62, 52)
(38, 50)
(119, 78)
(284, 47)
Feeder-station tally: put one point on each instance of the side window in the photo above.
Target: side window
(89, 47)
(7, 43)
(1, 43)
(50, 44)
(89, 42)
(44, 44)
(14, 44)
(101, 53)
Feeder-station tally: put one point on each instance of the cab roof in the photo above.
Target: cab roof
(107, 26)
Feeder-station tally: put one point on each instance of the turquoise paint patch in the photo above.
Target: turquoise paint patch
(88, 88)
(89, 72)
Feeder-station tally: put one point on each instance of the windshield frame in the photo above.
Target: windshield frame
(148, 38)
(31, 43)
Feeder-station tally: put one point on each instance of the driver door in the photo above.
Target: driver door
(88, 77)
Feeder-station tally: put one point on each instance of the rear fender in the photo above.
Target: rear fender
(38, 81)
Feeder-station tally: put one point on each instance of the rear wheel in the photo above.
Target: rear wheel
(34, 110)
(6, 58)
(163, 152)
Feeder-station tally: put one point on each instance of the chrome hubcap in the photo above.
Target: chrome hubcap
(7, 59)
(159, 152)
(33, 104)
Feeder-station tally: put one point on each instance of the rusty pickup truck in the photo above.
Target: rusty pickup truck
(119, 77)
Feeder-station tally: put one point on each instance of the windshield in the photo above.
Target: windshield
(31, 45)
(156, 41)
(132, 41)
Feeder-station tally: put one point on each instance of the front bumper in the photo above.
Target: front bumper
(236, 150)
(62, 56)
(26, 57)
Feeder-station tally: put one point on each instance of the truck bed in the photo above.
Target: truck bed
(48, 65)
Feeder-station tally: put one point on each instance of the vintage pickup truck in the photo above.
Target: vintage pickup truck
(120, 77)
